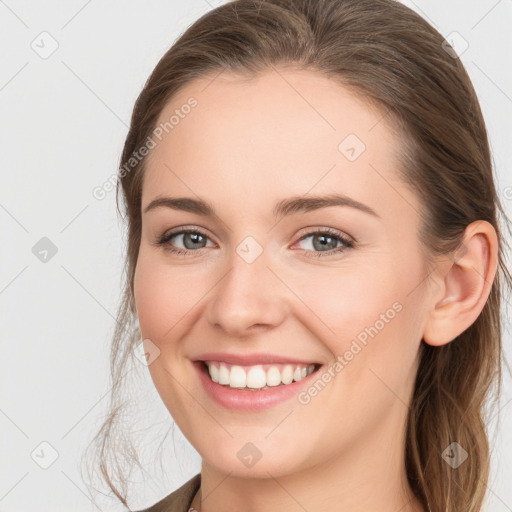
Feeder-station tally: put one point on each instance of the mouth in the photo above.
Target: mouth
(257, 377)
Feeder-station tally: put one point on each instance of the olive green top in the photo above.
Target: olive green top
(180, 500)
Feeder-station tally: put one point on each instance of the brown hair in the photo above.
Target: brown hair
(391, 56)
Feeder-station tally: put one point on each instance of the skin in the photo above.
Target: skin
(245, 146)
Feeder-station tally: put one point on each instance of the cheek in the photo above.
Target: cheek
(369, 311)
(163, 296)
(346, 299)
(375, 342)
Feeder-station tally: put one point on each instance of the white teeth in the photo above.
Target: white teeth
(223, 375)
(237, 377)
(214, 372)
(256, 378)
(287, 375)
(273, 376)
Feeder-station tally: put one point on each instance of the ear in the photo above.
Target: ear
(465, 282)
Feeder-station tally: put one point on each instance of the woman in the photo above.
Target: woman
(314, 260)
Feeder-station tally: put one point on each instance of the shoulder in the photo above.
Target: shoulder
(179, 500)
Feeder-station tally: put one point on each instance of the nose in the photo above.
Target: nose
(248, 299)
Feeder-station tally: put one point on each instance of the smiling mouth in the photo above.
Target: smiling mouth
(256, 377)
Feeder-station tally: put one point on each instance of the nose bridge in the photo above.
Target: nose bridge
(249, 293)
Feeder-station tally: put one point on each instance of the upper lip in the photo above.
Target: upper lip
(250, 359)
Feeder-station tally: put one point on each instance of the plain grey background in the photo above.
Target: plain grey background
(70, 73)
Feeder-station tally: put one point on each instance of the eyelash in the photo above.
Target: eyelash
(347, 242)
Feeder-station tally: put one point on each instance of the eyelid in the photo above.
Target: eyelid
(312, 230)
(347, 241)
(304, 232)
(187, 229)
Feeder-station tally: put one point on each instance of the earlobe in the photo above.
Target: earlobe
(467, 283)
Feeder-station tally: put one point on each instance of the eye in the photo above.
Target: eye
(326, 242)
(193, 240)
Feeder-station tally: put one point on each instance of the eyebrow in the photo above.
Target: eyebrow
(285, 207)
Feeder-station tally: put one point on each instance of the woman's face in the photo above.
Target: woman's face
(254, 283)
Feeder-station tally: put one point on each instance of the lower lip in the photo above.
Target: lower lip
(244, 400)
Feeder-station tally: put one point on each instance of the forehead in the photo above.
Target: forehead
(283, 132)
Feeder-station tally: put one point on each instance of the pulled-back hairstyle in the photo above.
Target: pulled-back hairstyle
(389, 55)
